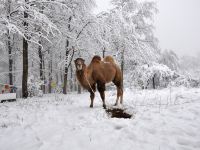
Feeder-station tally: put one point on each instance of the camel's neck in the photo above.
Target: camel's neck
(83, 77)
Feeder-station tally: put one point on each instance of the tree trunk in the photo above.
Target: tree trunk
(154, 85)
(61, 73)
(25, 69)
(79, 89)
(66, 60)
(65, 81)
(43, 72)
(50, 72)
(57, 78)
(14, 68)
(25, 60)
(10, 59)
(122, 66)
(104, 51)
(71, 78)
(66, 68)
(41, 57)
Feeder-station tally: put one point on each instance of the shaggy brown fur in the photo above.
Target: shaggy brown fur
(99, 73)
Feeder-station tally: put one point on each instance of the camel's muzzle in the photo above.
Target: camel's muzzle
(79, 67)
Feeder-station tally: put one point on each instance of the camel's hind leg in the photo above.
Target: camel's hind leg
(101, 88)
(119, 95)
(119, 92)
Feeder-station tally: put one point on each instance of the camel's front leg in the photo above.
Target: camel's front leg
(101, 88)
(102, 93)
(92, 94)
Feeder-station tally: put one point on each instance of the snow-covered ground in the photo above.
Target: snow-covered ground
(167, 119)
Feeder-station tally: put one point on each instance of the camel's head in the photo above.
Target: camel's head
(79, 63)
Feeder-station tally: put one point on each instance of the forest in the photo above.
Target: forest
(39, 41)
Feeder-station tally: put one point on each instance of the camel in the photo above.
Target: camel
(99, 73)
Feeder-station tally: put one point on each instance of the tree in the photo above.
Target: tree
(170, 58)
(25, 19)
(77, 22)
(9, 46)
(129, 33)
(190, 65)
(152, 75)
(53, 32)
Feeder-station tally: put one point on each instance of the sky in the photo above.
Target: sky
(177, 24)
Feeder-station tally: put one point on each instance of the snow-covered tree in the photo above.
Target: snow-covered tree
(42, 22)
(190, 65)
(153, 76)
(170, 58)
(47, 35)
(129, 33)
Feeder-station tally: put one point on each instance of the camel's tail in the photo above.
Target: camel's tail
(109, 59)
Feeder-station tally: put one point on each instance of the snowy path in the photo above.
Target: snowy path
(166, 119)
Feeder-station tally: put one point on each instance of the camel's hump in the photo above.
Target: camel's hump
(109, 59)
(96, 58)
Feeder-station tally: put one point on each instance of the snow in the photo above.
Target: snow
(166, 119)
